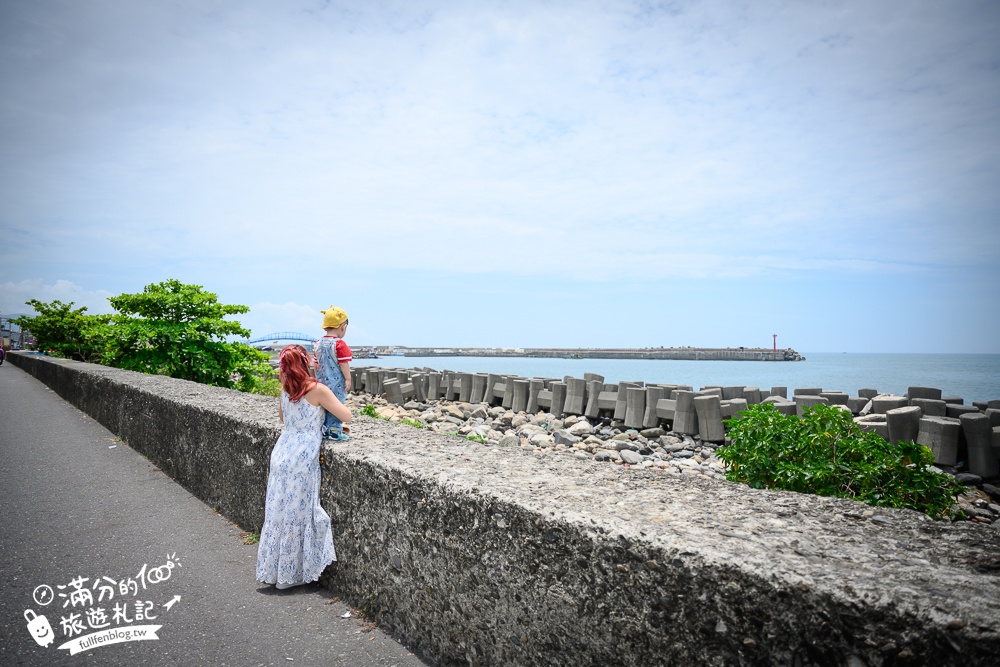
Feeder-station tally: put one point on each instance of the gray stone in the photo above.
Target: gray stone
(564, 437)
(509, 441)
(968, 479)
(580, 428)
(630, 457)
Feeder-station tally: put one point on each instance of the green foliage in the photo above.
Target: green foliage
(67, 332)
(477, 437)
(369, 411)
(180, 330)
(415, 423)
(827, 454)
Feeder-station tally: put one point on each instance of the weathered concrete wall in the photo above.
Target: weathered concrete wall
(479, 555)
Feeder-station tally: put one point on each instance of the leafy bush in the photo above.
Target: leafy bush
(369, 411)
(825, 453)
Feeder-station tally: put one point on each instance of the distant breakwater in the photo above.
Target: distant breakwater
(673, 353)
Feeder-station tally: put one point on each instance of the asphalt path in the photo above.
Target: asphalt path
(96, 539)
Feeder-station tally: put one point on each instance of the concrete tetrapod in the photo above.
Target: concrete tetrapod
(635, 407)
(685, 415)
(931, 407)
(478, 394)
(653, 395)
(903, 423)
(882, 403)
(979, 436)
(520, 400)
(940, 434)
(710, 426)
(535, 387)
(576, 394)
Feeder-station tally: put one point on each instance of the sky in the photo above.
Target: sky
(515, 174)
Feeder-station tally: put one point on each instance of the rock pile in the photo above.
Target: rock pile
(603, 440)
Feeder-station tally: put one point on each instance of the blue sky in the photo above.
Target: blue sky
(516, 174)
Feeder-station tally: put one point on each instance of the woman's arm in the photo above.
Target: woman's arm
(322, 395)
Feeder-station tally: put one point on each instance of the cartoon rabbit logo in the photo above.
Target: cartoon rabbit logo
(39, 628)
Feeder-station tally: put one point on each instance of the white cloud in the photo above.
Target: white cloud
(291, 317)
(14, 295)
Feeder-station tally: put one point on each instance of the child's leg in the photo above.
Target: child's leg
(331, 425)
(334, 426)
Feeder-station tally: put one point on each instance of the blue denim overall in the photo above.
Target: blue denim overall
(328, 372)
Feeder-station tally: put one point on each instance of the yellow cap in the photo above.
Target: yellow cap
(333, 317)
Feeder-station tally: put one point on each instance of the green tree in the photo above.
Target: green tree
(66, 331)
(180, 330)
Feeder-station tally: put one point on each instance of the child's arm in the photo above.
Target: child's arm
(332, 404)
(345, 368)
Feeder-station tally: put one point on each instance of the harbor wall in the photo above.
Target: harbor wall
(671, 353)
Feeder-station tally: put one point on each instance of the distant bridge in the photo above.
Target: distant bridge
(282, 335)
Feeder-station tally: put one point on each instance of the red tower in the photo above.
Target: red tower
(775, 337)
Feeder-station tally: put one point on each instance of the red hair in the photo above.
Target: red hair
(293, 364)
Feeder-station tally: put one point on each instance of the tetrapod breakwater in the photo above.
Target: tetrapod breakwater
(963, 438)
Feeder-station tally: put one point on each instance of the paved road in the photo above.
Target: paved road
(76, 504)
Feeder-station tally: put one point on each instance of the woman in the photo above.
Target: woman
(296, 542)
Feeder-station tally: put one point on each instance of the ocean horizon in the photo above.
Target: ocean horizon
(971, 376)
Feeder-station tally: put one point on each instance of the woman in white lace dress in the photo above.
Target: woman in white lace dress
(296, 542)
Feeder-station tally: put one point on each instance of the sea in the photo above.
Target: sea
(973, 377)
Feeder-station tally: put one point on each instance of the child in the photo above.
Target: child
(332, 359)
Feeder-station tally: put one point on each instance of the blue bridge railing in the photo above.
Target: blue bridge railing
(282, 335)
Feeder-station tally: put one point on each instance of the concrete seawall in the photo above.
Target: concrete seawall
(477, 555)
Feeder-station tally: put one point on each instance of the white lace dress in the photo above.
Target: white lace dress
(296, 542)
